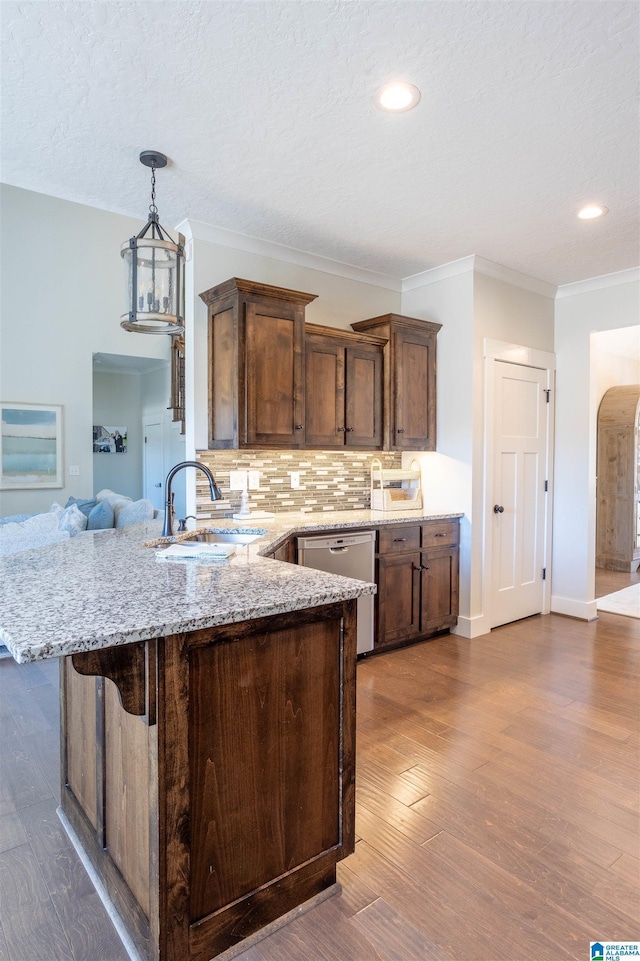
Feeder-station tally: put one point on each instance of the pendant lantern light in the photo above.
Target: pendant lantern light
(155, 271)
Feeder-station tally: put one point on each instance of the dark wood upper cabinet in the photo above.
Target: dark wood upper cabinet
(409, 380)
(343, 388)
(256, 365)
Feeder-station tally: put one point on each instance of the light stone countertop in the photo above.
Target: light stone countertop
(105, 588)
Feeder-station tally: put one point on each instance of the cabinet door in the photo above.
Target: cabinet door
(439, 590)
(398, 599)
(324, 392)
(414, 425)
(363, 418)
(273, 374)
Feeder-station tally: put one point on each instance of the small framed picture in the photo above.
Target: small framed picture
(30, 446)
(109, 440)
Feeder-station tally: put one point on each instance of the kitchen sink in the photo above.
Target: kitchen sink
(223, 537)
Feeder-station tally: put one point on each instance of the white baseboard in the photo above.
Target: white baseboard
(472, 626)
(584, 610)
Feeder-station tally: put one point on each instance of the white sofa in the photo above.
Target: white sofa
(107, 509)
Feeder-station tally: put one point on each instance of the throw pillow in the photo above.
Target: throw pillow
(15, 518)
(85, 505)
(134, 513)
(37, 531)
(108, 495)
(101, 517)
(72, 519)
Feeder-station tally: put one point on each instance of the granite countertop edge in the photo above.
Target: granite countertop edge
(106, 589)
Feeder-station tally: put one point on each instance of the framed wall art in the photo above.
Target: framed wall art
(109, 440)
(30, 446)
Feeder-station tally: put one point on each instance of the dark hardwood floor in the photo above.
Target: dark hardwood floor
(497, 807)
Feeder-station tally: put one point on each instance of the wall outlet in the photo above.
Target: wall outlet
(254, 480)
(74, 471)
(295, 479)
(238, 480)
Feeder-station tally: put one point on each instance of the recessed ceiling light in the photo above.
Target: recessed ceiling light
(592, 211)
(397, 96)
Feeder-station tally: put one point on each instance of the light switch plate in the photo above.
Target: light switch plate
(74, 471)
(295, 479)
(254, 480)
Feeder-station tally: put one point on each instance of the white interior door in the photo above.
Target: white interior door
(519, 475)
(153, 462)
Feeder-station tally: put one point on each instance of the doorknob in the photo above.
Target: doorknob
(498, 509)
(159, 484)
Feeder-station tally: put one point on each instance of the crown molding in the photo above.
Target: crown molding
(197, 230)
(629, 276)
(436, 274)
(509, 276)
(475, 263)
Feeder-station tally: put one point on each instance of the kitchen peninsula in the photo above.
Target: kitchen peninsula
(208, 723)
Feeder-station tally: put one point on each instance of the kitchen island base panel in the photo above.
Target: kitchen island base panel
(230, 953)
(233, 808)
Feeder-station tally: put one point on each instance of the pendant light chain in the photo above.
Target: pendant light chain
(152, 206)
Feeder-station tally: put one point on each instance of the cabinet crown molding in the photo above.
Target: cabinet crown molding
(238, 285)
(348, 336)
(398, 320)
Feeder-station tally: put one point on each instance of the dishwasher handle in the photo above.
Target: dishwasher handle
(338, 550)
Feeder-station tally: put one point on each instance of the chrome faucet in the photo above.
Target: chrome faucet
(216, 495)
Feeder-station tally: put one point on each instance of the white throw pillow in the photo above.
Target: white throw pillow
(108, 495)
(134, 513)
(38, 531)
(72, 519)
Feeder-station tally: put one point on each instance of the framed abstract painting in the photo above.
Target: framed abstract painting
(30, 446)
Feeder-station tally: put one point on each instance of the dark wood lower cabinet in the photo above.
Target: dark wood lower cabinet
(417, 577)
(230, 802)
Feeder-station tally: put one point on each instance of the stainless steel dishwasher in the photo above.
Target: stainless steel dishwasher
(351, 555)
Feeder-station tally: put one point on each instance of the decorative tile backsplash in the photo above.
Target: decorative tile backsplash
(329, 480)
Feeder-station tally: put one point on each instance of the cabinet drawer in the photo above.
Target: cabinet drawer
(397, 540)
(440, 534)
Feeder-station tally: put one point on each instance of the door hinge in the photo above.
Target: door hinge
(546, 486)
(547, 392)
(544, 573)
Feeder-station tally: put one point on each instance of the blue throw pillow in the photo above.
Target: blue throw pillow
(86, 506)
(101, 517)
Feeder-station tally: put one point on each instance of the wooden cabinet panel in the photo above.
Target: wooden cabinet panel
(127, 794)
(256, 365)
(398, 540)
(272, 733)
(234, 805)
(398, 606)
(414, 411)
(409, 380)
(439, 590)
(440, 534)
(343, 389)
(363, 420)
(274, 376)
(417, 581)
(324, 392)
(82, 716)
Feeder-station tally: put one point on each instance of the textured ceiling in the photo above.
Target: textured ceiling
(266, 110)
